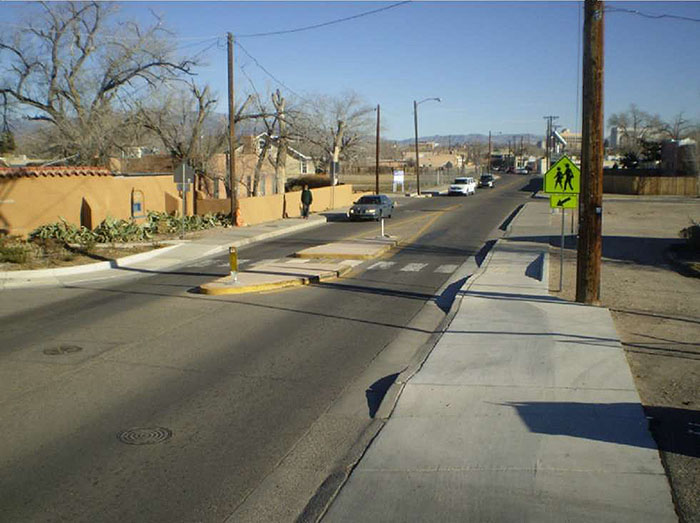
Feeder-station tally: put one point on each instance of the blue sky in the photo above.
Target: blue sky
(497, 66)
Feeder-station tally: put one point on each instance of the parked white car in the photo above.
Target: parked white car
(463, 185)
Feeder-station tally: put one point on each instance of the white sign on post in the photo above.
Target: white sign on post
(398, 179)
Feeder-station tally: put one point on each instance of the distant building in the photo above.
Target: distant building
(573, 141)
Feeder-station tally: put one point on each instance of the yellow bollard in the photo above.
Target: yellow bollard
(233, 262)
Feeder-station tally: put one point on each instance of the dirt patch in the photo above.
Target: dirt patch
(68, 257)
(656, 311)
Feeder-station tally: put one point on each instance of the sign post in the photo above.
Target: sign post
(184, 175)
(563, 184)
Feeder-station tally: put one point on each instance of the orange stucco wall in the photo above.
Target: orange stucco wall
(26, 203)
(268, 208)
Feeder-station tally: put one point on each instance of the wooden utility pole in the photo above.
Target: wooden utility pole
(233, 183)
(550, 119)
(588, 267)
(376, 163)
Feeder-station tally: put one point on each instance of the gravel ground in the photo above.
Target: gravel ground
(657, 314)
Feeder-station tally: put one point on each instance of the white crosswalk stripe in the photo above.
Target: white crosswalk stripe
(266, 261)
(414, 267)
(380, 265)
(446, 269)
(297, 261)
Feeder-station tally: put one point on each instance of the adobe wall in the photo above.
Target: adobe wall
(33, 201)
(268, 208)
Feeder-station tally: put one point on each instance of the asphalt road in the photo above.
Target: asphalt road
(235, 386)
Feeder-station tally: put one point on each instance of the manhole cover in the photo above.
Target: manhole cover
(145, 435)
(62, 349)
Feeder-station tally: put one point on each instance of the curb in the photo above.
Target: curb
(297, 281)
(346, 256)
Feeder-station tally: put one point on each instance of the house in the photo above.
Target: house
(213, 185)
(247, 156)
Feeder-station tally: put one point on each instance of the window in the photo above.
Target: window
(303, 168)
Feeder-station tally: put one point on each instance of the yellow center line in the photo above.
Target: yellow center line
(407, 221)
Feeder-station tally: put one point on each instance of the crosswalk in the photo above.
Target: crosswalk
(412, 267)
(373, 266)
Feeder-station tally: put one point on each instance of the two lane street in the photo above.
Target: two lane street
(228, 388)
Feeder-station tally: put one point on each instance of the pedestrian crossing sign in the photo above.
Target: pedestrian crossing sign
(563, 178)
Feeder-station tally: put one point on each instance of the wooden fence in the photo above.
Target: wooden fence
(650, 185)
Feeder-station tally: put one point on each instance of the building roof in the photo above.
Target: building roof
(61, 171)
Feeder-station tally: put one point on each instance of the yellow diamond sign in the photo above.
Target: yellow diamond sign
(563, 178)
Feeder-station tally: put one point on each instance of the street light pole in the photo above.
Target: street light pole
(376, 164)
(489, 163)
(415, 125)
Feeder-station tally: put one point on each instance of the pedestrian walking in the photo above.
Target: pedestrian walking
(306, 199)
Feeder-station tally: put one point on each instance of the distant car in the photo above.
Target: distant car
(487, 180)
(463, 186)
(522, 170)
(371, 208)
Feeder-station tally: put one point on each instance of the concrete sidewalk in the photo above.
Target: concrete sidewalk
(525, 410)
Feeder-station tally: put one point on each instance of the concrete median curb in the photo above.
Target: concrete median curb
(361, 249)
(224, 285)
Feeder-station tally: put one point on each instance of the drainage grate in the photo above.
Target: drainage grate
(62, 349)
(145, 435)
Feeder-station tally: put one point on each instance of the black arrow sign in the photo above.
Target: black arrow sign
(560, 203)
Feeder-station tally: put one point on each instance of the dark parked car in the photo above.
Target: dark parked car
(371, 208)
(486, 180)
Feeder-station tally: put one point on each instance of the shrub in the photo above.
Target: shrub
(13, 250)
(112, 230)
(691, 234)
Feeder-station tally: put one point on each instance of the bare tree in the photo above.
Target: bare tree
(74, 66)
(476, 151)
(282, 141)
(634, 127)
(337, 127)
(678, 128)
(185, 121)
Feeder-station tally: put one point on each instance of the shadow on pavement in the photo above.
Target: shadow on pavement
(335, 216)
(447, 298)
(511, 217)
(376, 392)
(620, 423)
(533, 185)
(628, 249)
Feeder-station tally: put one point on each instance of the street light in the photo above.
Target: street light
(489, 162)
(415, 123)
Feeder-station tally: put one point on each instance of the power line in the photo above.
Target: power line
(324, 24)
(647, 15)
(268, 73)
